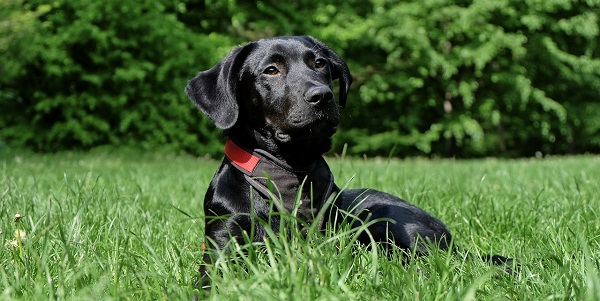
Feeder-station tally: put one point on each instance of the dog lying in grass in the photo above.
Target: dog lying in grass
(274, 101)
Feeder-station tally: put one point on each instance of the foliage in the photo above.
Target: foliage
(110, 73)
(433, 77)
(477, 78)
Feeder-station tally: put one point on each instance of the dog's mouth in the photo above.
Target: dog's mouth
(305, 125)
(306, 130)
(283, 137)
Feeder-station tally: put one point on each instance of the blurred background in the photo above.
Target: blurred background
(435, 78)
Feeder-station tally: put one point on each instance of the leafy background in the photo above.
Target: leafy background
(432, 77)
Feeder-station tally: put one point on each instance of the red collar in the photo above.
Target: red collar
(240, 157)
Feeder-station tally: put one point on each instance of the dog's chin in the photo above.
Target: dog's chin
(283, 137)
(304, 134)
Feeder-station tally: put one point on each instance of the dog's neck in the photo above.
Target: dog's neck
(297, 155)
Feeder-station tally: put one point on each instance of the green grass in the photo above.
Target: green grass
(120, 225)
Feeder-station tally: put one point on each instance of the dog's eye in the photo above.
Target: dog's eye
(271, 70)
(320, 63)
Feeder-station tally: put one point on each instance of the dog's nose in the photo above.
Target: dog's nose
(318, 94)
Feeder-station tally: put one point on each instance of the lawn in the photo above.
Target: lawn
(123, 225)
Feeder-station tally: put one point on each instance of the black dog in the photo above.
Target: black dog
(273, 99)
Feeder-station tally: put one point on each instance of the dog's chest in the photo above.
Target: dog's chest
(301, 192)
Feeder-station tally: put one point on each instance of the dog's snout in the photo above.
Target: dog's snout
(318, 94)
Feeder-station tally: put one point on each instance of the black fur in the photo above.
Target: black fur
(275, 95)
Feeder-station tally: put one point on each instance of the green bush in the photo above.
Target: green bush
(475, 78)
(106, 72)
(432, 77)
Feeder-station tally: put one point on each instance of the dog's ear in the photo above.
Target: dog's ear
(214, 91)
(340, 70)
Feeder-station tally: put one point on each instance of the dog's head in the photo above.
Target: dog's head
(280, 88)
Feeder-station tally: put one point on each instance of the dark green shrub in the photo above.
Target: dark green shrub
(106, 72)
(433, 77)
(473, 78)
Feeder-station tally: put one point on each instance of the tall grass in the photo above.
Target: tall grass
(121, 225)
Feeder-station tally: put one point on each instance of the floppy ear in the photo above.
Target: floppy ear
(214, 91)
(340, 69)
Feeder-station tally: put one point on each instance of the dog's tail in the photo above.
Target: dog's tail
(511, 266)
